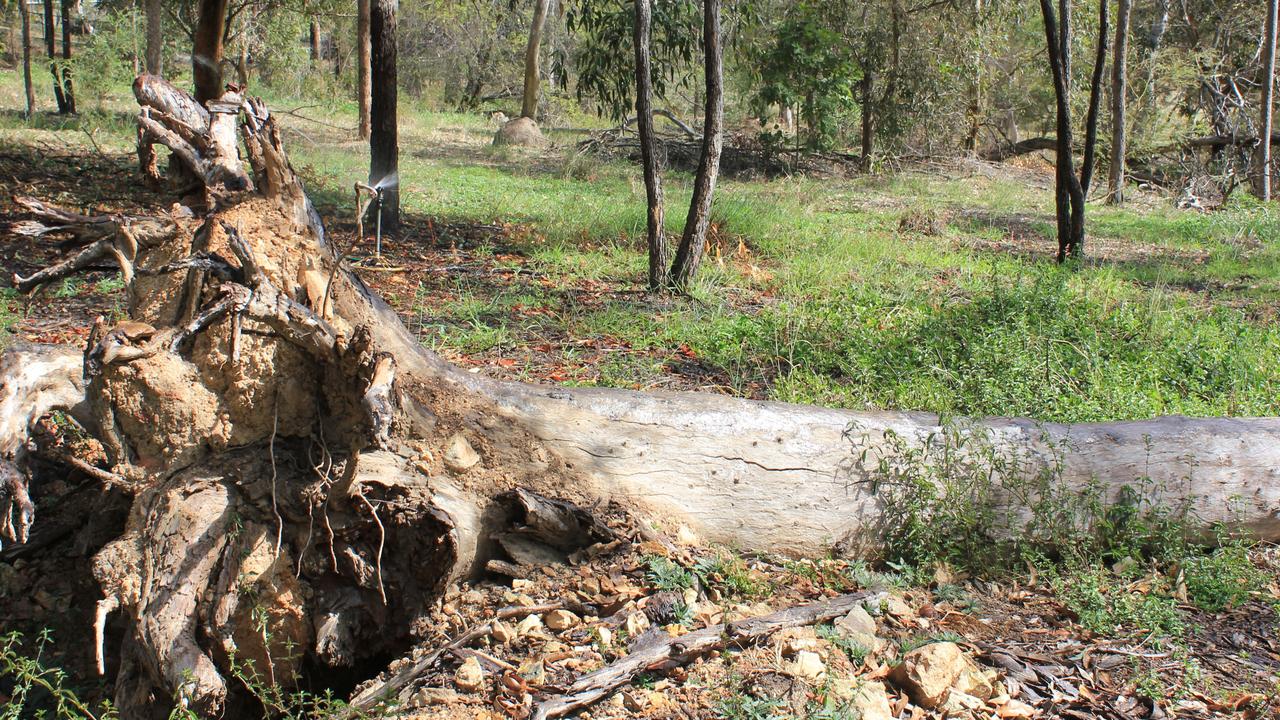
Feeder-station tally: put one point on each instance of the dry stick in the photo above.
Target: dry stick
(275, 507)
(398, 683)
(594, 686)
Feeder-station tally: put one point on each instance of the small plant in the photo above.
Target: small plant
(30, 675)
(667, 575)
(1224, 578)
(1105, 604)
(856, 651)
(745, 707)
(729, 573)
(918, 641)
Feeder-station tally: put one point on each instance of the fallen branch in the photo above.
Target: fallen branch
(597, 685)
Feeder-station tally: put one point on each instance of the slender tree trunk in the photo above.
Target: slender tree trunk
(315, 42)
(25, 12)
(50, 45)
(67, 92)
(868, 119)
(659, 252)
(1119, 100)
(1080, 190)
(206, 54)
(694, 240)
(155, 37)
(364, 87)
(384, 149)
(1262, 155)
(529, 105)
(1065, 183)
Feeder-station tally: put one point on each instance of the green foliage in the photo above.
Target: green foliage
(104, 62)
(1224, 578)
(38, 688)
(604, 57)
(856, 651)
(745, 707)
(729, 573)
(1107, 604)
(667, 575)
(809, 67)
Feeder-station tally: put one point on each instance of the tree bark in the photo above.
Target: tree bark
(1262, 152)
(364, 87)
(1070, 192)
(25, 12)
(206, 53)
(50, 44)
(315, 42)
(384, 148)
(529, 103)
(1119, 102)
(694, 240)
(659, 251)
(299, 480)
(68, 92)
(868, 119)
(155, 37)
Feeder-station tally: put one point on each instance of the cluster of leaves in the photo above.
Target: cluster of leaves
(810, 67)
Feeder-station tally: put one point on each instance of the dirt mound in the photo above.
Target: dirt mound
(521, 131)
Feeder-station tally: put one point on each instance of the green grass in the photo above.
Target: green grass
(831, 303)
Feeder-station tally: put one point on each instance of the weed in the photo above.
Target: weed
(729, 573)
(1105, 604)
(32, 677)
(918, 641)
(667, 575)
(856, 651)
(745, 707)
(1224, 578)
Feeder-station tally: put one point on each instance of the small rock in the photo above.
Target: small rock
(927, 673)
(429, 696)
(502, 632)
(533, 670)
(897, 607)
(470, 676)
(871, 700)
(605, 636)
(635, 701)
(560, 620)
(459, 456)
(958, 703)
(686, 536)
(636, 623)
(983, 683)
(798, 640)
(807, 666)
(529, 626)
(859, 627)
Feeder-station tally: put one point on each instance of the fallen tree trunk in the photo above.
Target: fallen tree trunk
(307, 476)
